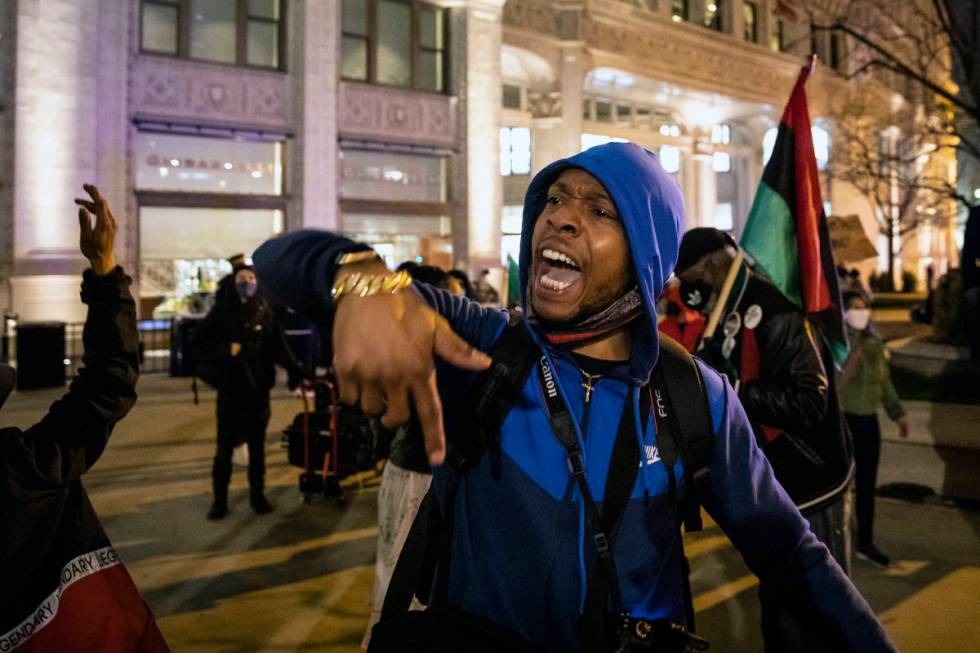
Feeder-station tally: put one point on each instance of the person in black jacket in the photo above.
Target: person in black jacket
(237, 347)
(64, 587)
(771, 354)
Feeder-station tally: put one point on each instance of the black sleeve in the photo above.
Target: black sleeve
(209, 343)
(793, 395)
(283, 353)
(71, 437)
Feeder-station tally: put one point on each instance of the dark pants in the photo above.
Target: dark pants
(240, 419)
(867, 451)
(971, 309)
(783, 629)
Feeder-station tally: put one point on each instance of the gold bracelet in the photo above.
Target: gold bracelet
(357, 257)
(364, 285)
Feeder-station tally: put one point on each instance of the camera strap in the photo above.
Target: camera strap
(620, 479)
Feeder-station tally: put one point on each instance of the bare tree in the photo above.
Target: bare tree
(928, 51)
(896, 168)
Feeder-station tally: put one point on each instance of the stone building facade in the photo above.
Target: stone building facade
(213, 124)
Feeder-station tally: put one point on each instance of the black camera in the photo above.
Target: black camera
(656, 636)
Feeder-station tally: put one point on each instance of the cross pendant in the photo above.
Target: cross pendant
(588, 390)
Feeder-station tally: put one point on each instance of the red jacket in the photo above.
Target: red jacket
(64, 586)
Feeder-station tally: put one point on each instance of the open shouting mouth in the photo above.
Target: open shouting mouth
(557, 272)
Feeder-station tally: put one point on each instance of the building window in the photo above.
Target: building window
(159, 26)
(712, 15)
(670, 158)
(723, 216)
(721, 134)
(836, 52)
(393, 49)
(750, 27)
(511, 221)
(777, 41)
(603, 111)
(238, 32)
(263, 19)
(821, 146)
(512, 97)
(721, 162)
(201, 200)
(643, 116)
(515, 151)
(193, 164)
(394, 42)
(678, 10)
(624, 113)
(670, 129)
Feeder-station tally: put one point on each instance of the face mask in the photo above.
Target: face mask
(246, 289)
(858, 318)
(695, 294)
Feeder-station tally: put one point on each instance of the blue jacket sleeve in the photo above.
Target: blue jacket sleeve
(298, 268)
(751, 507)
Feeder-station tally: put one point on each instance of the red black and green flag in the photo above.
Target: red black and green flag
(786, 233)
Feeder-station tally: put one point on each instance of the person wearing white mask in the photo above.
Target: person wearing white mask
(865, 386)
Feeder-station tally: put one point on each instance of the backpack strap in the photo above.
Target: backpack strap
(429, 543)
(685, 433)
(677, 382)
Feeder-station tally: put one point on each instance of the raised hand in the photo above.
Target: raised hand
(385, 348)
(98, 231)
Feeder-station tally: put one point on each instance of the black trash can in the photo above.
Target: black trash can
(182, 361)
(40, 355)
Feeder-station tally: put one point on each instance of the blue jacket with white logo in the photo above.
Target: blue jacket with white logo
(522, 554)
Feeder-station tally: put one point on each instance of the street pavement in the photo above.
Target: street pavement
(298, 580)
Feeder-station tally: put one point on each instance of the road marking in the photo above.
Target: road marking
(323, 613)
(705, 545)
(711, 598)
(905, 567)
(162, 570)
(943, 614)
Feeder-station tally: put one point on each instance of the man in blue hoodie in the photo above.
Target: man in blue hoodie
(601, 233)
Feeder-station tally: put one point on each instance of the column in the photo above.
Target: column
(706, 189)
(8, 51)
(314, 27)
(689, 184)
(70, 101)
(572, 78)
(734, 19)
(479, 90)
(695, 11)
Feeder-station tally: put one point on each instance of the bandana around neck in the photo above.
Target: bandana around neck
(594, 327)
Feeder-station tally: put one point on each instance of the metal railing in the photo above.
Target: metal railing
(154, 347)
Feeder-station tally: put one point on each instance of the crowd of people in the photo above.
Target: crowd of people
(543, 461)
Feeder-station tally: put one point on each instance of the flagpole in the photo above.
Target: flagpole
(726, 290)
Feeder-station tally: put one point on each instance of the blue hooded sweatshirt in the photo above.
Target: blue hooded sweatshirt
(522, 555)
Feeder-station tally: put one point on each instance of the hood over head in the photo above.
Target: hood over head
(651, 207)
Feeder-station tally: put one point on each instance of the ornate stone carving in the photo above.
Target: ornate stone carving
(544, 104)
(197, 92)
(380, 113)
(684, 56)
(532, 15)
